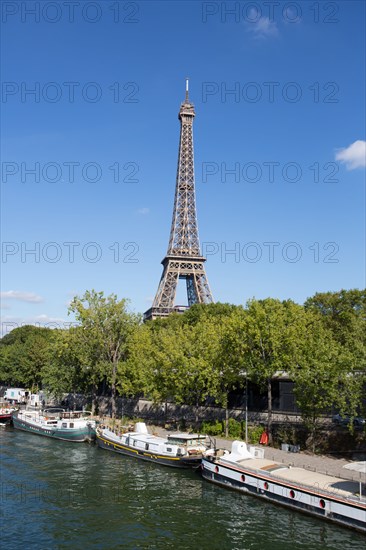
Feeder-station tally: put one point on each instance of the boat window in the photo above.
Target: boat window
(147, 446)
(64, 424)
(71, 424)
(134, 442)
(169, 449)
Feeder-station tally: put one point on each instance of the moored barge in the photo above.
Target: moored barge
(57, 423)
(246, 470)
(6, 413)
(181, 450)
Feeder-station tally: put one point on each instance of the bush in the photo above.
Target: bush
(254, 434)
(286, 433)
(235, 428)
(212, 428)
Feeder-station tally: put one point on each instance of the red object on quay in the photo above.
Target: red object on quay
(264, 438)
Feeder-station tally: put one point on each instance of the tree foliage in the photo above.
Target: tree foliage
(24, 353)
(202, 354)
(105, 328)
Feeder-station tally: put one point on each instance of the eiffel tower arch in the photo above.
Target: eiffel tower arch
(183, 259)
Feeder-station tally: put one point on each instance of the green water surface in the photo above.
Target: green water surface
(59, 495)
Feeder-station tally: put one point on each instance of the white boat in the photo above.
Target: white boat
(180, 450)
(245, 469)
(57, 423)
(6, 412)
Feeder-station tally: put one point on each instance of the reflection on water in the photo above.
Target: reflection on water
(63, 495)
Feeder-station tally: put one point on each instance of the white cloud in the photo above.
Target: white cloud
(353, 156)
(143, 211)
(261, 27)
(22, 296)
(43, 318)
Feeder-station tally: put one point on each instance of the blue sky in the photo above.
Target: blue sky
(279, 148)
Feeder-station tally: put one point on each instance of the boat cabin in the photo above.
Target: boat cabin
(192, 443)
(187, 439)
(146, 442)
(180, 444)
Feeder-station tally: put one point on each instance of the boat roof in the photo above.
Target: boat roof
(137, 435)
(152, 438)
(309, 478)
(186, 436)
(146, 437)
(315, 479)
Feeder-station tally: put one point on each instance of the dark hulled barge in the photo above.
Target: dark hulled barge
(181, 450)
(320, 495)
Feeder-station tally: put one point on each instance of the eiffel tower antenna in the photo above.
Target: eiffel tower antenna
(183, 259)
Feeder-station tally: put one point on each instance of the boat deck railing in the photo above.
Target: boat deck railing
(53, 414)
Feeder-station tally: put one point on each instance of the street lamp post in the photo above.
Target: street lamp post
(246, 407)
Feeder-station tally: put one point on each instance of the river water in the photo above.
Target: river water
(59, 495)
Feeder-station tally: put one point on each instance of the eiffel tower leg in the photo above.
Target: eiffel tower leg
(203, 289)
(192, 290)
(165, 296)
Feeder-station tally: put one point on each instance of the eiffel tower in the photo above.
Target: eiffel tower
(183, 259)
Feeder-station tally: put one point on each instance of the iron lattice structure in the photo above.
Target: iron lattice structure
(183, 259)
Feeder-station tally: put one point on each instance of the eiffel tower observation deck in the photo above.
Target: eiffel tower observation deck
(183, 259)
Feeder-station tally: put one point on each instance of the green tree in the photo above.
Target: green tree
(322, 372)
(24, 353)
(229, 363)
(134, 373)
(165, 361)
(176, 360)
(343, 313)
(106, 325)
(68, 368)
(195, 378)
(201, 312)
(268, 342)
